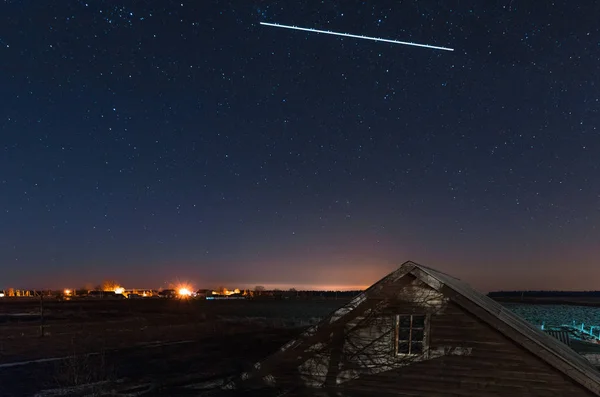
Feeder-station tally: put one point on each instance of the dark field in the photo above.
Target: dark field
(161, 342)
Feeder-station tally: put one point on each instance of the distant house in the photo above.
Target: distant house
(101, 294)
(227, 297)
(140, 292)
(203, 293)
(167, 293)
(420, 332)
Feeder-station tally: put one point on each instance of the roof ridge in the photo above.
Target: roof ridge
(430, 269)
(554, 347)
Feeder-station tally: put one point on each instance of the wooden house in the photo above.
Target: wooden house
(420, 332)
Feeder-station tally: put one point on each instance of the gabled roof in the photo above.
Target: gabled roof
(544, 346)
(547, 348)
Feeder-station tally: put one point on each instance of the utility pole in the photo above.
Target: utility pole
(42, 314)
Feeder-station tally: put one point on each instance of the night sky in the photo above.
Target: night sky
(154, 141)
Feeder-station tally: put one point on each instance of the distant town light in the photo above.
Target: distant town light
(184, 292)
(67, 292)
(226, 292)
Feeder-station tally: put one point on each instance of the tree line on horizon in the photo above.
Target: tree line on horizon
(113, 285)
(543, 294)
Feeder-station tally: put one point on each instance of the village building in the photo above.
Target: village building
(420, 332)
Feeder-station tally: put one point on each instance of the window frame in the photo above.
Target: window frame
(424, 341)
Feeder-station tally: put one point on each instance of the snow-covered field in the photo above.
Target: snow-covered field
(555, 315)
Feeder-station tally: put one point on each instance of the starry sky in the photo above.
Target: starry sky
(153, 141)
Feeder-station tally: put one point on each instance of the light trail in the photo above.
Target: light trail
(433, 47)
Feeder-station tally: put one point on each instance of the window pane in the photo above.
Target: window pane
(403, 333)
(404, 321)
(417, 335)
(416, 348)
(402, 348)
(418, 321)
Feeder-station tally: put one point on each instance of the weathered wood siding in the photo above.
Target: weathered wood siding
(365, 344)
(491, 366)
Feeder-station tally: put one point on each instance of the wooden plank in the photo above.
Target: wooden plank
(438, 389)
(403, 384)
(508, 376)
(370, 391)
(485, 380)
(481, 345)
(579, 375)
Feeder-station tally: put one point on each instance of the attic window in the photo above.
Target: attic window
(410, 334)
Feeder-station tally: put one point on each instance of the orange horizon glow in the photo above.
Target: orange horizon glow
(312, 287)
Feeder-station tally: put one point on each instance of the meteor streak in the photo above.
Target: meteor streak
(357, 36)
